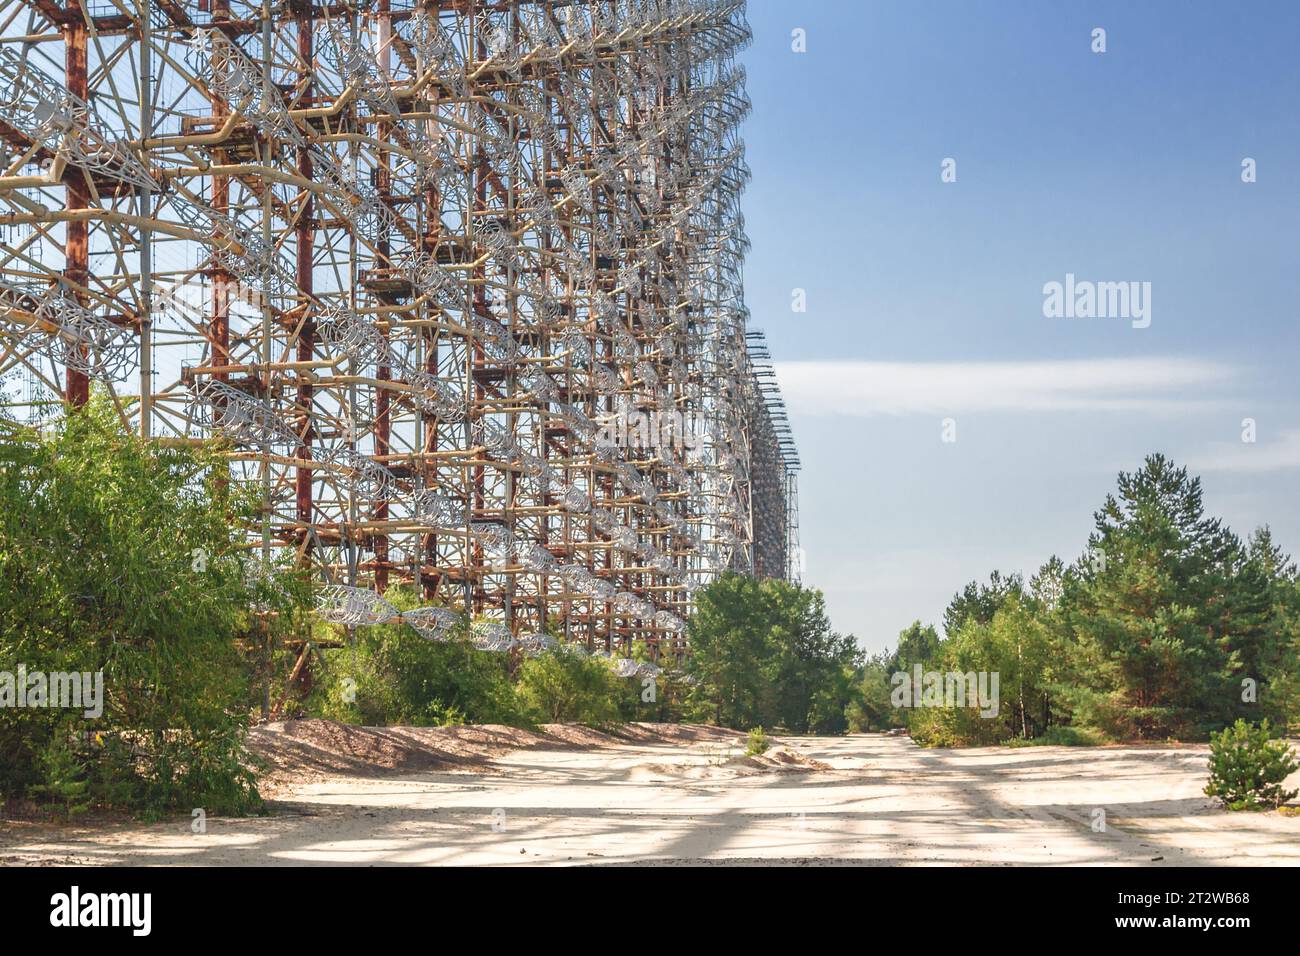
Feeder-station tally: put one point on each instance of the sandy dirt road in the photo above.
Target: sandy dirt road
(822, 800)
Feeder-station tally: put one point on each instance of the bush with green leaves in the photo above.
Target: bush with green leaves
(63, 778)
(1061, 737)
(657, 699)
(120, 556)
(762, 651)
(389, 675)
(870, 708)
(567, 687)
(757, 742)
(1248, 766)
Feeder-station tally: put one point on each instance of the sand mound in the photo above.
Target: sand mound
(778, 760)
(653, 733)
(728, 766)
(298, 750)
(782, 759)
(307, 748)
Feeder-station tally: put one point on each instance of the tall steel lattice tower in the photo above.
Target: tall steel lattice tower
(456, 285)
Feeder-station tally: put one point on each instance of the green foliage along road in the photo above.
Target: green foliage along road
(1167, 626)
(123, 561)
(763, 653)
(118, 558)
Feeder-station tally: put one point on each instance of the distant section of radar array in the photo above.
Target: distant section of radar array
(456, 286)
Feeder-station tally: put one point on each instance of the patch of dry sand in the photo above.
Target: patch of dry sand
(301, 751)
(725, 765)
(665, 795)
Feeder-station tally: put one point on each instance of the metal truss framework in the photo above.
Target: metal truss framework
(458, 283)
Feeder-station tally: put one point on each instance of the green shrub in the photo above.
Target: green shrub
(757, 742)
(953, 727)
(391, 675)
(118, 556)
(1061, 737)
(1248, 767)
(63, 770)
(563, 687)
(669, 690)
(763, 652)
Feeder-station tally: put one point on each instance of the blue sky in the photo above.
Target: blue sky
(925, 298)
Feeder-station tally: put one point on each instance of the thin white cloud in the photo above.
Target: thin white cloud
(1280, 454)
(1153, 385)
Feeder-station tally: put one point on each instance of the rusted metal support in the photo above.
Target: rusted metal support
(76, 251)
(305, 235)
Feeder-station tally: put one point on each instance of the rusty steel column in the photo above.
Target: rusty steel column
(384, 373)
(305, 235)
(429, 239)
(475, 356)
(76, 385)
(219, 324)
